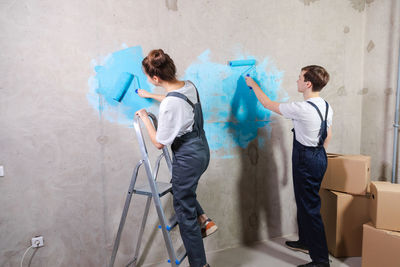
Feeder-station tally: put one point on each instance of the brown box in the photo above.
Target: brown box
(380, 247)
(347, 173)
(343, 216)
(385, 206)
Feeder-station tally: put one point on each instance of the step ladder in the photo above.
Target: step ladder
(152, 190)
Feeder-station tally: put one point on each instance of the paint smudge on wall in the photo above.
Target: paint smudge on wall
(308, 2)
(388, 91)
(363, 91)
(103, 89)
(359, 5)
(102, 139)
(172, 5)
(231, 110)
(342, 91)
(371, 45)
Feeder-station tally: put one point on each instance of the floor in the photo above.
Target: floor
(267, 253)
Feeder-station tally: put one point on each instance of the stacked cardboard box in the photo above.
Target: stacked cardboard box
(381, 237)
(343, 216)
(345, 203)
(348, 173)
(380, 247)
(385, 205)
(360, 217)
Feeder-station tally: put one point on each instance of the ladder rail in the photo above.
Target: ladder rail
(142, 227)
(125, 212)
(168, 159)
(145, 215)
(157, 165)
(154, 190)
(165, 149)
(152, 175)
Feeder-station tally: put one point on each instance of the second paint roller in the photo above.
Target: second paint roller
(243, 62)
(123, 83)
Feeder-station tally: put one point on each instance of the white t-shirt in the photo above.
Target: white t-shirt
(176, 116)
(306, 120)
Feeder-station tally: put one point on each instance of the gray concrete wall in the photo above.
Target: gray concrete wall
(381, 50)
(67, 167)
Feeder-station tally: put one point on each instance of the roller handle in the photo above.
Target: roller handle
(248, 75)
(138, 83)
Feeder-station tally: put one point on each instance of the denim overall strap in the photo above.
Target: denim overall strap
(197, 91)
(182, 96)
(198, 125)
(324, 127)
(315, 106)
(198, 112)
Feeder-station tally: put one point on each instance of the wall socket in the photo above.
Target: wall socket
(1, 171)
(37, 241)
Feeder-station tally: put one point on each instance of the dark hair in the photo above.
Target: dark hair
(159, 64)
(317, 75)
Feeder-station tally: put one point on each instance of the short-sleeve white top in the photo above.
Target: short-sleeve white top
(176, 117)
(306, 120)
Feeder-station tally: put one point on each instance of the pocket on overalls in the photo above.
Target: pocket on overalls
(303, 158)
(318, 167)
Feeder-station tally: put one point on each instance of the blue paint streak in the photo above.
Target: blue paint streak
(231, 110)
(122, 85)
(106, 85)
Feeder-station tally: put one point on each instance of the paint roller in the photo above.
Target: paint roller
(123, 83)
(243, 62)
(240, 63)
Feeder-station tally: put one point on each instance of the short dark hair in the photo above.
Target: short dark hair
(159, 64)
(317, 75)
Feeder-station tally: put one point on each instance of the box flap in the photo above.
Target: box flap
(386, 186)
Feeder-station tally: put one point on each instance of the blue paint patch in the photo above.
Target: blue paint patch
(104, 86)
(231, 110)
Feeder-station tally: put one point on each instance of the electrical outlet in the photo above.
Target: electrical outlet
(1, 171)
(37, 241)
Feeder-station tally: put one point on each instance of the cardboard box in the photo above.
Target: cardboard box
(343, 216)
(380, 247)
(385, 206)
(347, 173)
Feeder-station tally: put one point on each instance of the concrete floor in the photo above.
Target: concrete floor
(267, 253)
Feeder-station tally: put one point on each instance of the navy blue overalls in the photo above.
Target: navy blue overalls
(309, 166)
(191, 156)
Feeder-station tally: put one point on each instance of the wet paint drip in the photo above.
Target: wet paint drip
(103, 86)
(232, 112)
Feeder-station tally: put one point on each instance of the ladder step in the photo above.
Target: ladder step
(162, 188)
(180, 255)
(172, 222)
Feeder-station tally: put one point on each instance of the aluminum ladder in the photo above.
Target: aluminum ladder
(152, 190)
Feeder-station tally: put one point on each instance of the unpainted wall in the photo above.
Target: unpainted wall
(68, 161)
(381, 50)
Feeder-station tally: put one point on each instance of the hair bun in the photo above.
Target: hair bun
(159, 64)
(158, 58)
